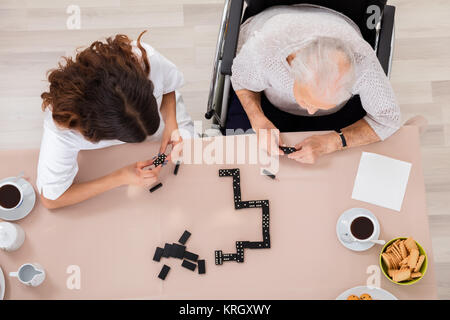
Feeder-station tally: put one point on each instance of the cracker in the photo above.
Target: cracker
(390, 272)
(403, 250)
(387, 260)
(401, 275)
(412, 259)
(419, 263)
(392, 261)
(398, 255)
(416, 275)
(410, 244)
(397, 250)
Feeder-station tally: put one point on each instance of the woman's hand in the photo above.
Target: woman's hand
(171, 136)
(268, 134)
(136, 174)
(310, 149)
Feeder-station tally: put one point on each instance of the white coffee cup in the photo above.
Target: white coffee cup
(12, 236)
(30, 274)
(375, 229)
(348, 236)
(20, 188)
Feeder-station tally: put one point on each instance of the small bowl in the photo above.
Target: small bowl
(422, 270)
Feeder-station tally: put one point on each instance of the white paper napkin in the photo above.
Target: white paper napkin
(381, 180)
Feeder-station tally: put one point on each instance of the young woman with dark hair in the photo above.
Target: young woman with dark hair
(112, 92)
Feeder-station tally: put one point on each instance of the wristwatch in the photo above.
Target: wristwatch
(344, 142)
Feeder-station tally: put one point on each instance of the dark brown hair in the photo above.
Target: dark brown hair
(105, 92)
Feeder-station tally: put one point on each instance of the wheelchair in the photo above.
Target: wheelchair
(379, 33)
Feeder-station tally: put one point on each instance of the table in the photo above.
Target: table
(112, 237)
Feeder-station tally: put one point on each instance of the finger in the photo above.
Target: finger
(149, 172)
(163, 147)
(297, 154)
(177, 151)
(143, 164)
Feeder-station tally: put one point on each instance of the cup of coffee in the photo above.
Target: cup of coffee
(11, 195)
(362, 228)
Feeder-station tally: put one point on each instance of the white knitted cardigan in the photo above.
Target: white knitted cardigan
(267, 39)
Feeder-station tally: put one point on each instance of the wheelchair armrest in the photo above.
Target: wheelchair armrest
(385, 37)
(231, 36)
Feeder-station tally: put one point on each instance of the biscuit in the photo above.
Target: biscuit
(412, 259)
(353, 297)
(403, 250)
(401, 275)
(387, 260)
(416, 275)
(397, 257)
(365, 296)
(410, 244)
(419, 263)
(396, 247)
(394, 259)
(391, 272)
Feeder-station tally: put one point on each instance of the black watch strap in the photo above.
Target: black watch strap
(344, 142)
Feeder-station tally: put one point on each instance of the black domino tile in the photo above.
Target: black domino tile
(159, 160)
(269, 174)
(173, 251)
(164, 271)
(189, 265)
(230, 257)
(153, 189)
(158, 254)
(167, 250)
(184, 237)
(218, 257)
(201, 266)
(177, 167)
(190, 256)
(288, 150)
(178, 250)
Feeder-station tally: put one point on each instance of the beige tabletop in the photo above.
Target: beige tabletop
(112, 237)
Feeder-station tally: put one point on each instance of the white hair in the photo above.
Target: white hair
(316, 65)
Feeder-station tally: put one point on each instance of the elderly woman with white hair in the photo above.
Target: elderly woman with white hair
(307, 68)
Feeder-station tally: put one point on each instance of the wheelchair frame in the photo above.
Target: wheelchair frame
(226, 50)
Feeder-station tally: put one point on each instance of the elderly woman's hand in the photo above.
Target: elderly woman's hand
(268, 135)
(310, 149)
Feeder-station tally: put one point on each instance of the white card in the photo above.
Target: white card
(381, 180)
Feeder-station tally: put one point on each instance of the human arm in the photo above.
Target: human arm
(133, 174)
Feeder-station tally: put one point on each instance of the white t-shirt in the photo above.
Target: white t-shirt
(58, 164)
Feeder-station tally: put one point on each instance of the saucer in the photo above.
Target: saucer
(2, 285)
(342, 227)
(29, 198)
(375, 293)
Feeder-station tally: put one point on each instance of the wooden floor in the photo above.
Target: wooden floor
(33, 35)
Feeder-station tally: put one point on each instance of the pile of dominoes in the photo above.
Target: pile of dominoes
(178, 251)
